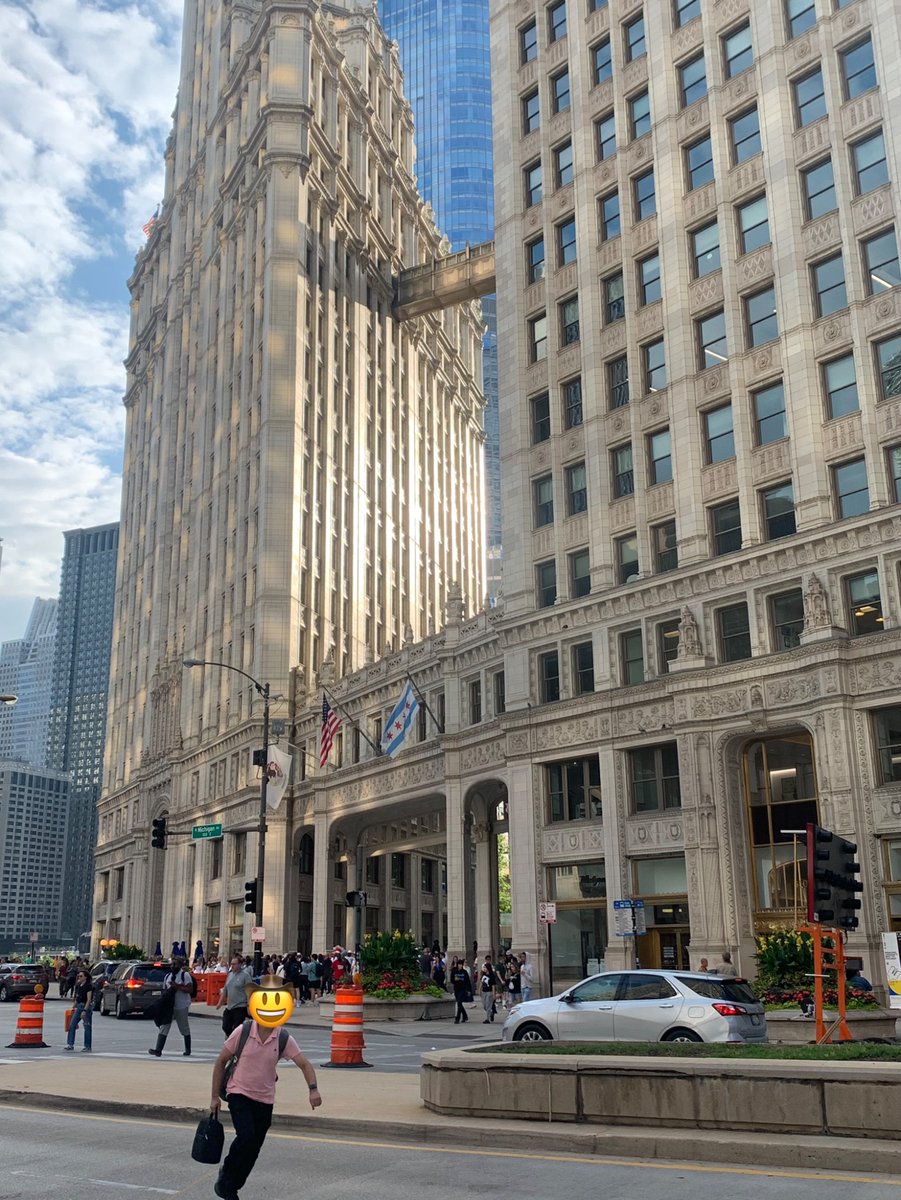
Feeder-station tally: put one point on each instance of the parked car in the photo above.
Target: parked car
(20, 979)
(101, 973)
(132, 988)
(642, 1006)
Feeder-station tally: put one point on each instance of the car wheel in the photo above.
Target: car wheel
(682, 1035)
(531, 1033)
(120, 1014)
(4, 992)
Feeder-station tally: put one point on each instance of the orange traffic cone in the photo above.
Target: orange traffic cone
(347, 1028)
(30, 1025)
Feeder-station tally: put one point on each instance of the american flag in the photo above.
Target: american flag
(147, 229)
(331, 723)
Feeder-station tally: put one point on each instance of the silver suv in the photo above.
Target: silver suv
(643, 1006)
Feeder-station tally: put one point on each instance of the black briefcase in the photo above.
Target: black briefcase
(208, 1140)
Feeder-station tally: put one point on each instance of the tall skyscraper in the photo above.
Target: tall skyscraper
(303, 474)
(33, 816)
(79, 698)
(26, 671)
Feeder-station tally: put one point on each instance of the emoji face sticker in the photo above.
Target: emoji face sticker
(271, 1004)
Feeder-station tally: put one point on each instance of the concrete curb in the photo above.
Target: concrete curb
(853, 1155)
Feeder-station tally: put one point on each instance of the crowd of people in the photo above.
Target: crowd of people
(498, 981)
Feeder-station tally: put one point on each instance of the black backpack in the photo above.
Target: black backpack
(194, 996)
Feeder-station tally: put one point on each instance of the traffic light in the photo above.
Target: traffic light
(832, 879)
(250, 896)
(355, 900)
(158, 837)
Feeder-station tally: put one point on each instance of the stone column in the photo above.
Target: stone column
(524, 854)
(620, 952)
(322, 882)
(486, 906)
(415, 892)
(457, 870)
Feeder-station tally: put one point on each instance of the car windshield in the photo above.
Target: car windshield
(28, 969)
(150, 974)
(734, 990)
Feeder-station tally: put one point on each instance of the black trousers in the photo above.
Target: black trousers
(232, 1018)
(251, 1120)
(461, 1013)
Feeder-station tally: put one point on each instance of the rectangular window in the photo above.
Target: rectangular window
(574, 790)
(531, 113)
(719, 434)
(549, 677)
(649, 279)
(528, 43)
(605, 133)
(864, 604)
(858, 68)
(852, 492)
(840, 387)
(829, 285)
(500, 693)
(475, 701)
(733, 633)
(239, 853)
(621, 470)
(626, 558)
(778, 511)
(566, 242)
(563, 164)
(569, 321)
(543, 494)
(541, 418)
(618, 382)
(614, 298)
(634, 38)
(725, 524)
(560, 91)
(640, 114)
(583, 669)
(699, 163)
(744, 134)
(667, 642)
(818, 183)
(399, 870)
(631, 657)
(572, 403)
(880, 256)
(546, 583)
(654, 365)
(660, 457)
(576, 490)
(685, 11)
(216, 858)
(761, 322)
(609, 216)
(894, 471)
(601, 61)
(535, 260)
(644, 196)
(556, 21)
(532, 183)
(869, 163)
(596, 5)
(666, 554)
(711, 336)
(693, 80)
(654, 771)
(769, 414)
(753, 224)
(538, 337)
(579, 574)
(887, 734)
(787, 619)
(427, 874)
(888, 359)
(738, 52)
(799, 15)
(705, 249)
(809, 97)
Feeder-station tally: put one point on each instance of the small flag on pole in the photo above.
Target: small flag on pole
(147, 228)
(400, 721)
(331, 723)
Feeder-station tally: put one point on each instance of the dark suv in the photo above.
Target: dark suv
(133, 988)
(20, 979)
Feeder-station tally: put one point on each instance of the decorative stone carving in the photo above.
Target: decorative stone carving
(453, 605)
(816, 606)
(689, 636)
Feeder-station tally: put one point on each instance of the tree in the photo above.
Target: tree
(503, 873)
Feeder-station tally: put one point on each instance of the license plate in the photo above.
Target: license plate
(156, 993)
(755, 1020)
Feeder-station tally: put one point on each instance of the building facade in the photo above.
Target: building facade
(78, 703)
(26, 671)
(33, 818)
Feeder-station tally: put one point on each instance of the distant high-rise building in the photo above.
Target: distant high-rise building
(26, 671)
(79, 701)
(33, 805)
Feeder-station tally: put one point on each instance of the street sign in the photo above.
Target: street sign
(34, 937)
(547, 912)
(622, 918)
(638, 915)
(206, 831)
(257, 933)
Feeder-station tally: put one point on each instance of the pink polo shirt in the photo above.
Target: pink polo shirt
(254, 1076)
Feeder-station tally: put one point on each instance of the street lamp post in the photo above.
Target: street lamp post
(263, 690)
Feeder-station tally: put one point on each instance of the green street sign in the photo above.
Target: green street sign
(206, 831)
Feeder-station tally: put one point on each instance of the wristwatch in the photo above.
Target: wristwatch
(314, 1087)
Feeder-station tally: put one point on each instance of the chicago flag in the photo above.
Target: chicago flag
(399, 721)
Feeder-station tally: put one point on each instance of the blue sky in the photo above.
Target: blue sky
(87, 89)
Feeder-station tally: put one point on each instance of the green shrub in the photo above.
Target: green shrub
(124, 952)
(784, 959)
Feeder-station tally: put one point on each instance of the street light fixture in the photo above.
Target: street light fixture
(263, 690)
(8, 699)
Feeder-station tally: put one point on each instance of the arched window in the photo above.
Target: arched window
(305, 859)
(780, 798)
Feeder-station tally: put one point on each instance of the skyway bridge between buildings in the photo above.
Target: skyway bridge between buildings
(467, 275)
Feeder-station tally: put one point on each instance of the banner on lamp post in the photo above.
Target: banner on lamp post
(278, 771)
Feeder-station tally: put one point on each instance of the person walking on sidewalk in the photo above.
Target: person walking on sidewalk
(250, 1095)
(180, 981)
(526, 975)
(83, 995)
(233, 997)
(459, 981)
(487, 984)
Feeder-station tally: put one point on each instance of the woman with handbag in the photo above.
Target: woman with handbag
(83, 994)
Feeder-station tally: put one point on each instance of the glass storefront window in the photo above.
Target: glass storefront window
(579, 881)
(578, 943)
(661, 876)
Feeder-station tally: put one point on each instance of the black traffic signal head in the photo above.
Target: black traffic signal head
(250, 896)
(158, 837)
(832, 879)
(355, 900)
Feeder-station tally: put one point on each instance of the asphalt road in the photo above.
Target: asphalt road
(46, 1153)
(132, 1037)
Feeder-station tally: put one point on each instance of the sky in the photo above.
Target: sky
(87, 89)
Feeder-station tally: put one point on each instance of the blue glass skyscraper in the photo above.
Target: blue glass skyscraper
(444, 52)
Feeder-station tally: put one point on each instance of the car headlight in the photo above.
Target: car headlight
(513, 1011)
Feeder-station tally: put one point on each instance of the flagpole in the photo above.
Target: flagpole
(422, 700)
(354, 724)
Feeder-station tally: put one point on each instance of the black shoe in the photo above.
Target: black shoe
(220, 1190)
(187, 1053)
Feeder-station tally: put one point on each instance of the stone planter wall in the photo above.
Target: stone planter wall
(414, 1008)
(845, 1099)
(788, 1027)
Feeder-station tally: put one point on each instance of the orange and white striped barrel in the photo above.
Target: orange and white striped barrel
(347, 1028)
(30, 1025)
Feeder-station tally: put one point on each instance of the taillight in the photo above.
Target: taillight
(134, 983)
(17, 978)
(731, 1010)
